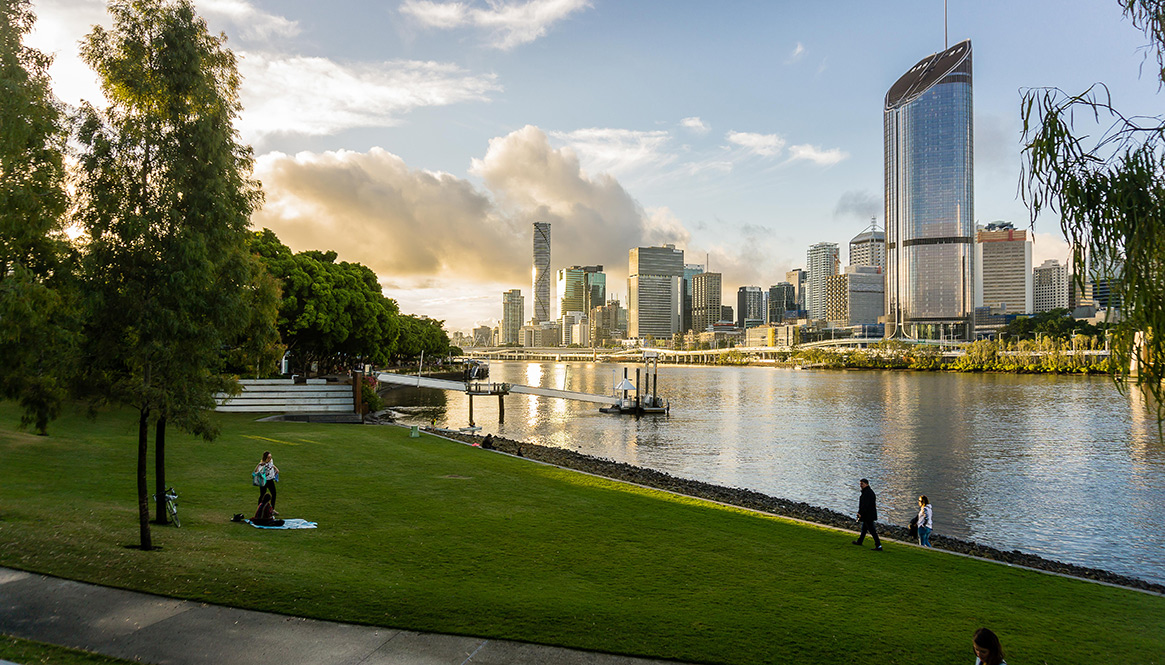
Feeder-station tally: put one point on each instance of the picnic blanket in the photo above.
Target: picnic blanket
(287, 524)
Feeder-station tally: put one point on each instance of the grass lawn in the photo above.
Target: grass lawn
(27, 652)
(425, 534)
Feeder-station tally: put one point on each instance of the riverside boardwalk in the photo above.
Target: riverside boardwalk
(155, 629)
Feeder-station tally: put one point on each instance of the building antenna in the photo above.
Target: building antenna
(946, 40)
(707, 261)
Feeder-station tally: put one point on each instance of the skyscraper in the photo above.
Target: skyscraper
(654, 288)
(1003, 281)
(571, 290)
(928, 131)
(797, 278)
(1049, 287)
(706, 303)
(690, 271)
(868, 248)
(782, 298)
(750, 306)
(513, 308)
(822, 260)
(540, 282)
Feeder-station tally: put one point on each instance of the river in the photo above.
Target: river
(1065, 467)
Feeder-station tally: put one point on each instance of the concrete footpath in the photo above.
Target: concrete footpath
(155, 629)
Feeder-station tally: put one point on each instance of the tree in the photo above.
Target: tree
(166, 195)
(37, 329)
(1110, 195)
(332, 315)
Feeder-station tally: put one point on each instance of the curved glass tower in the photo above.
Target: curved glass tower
(930, 255)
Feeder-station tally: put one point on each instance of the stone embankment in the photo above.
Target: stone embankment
(762, 502)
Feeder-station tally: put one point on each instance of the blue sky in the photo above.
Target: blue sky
(422, 138)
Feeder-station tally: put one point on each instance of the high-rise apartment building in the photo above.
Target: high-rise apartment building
(822, 262)
(690, 271)
(513, 308)
(706, 300)
(868, 248)
(1003, 282)
(750, 306)
(782, 299)
(540, 284)
(928, 132)
(654, 288)
(856, 296)
(1049, 286)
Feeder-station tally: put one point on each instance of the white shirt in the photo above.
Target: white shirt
(924, 517)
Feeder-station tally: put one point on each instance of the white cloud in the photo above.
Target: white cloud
(765, 145)
(816, 155)
(317, 96)
(512, 24)
(1049, 246)
(695, 124)
(252, 23)
(617, 151)
(796, 54)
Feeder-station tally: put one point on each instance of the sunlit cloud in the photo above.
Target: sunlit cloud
(816, 155)
(511, 24)
(765, 145)
(252, 23)
(617, 151)
(318, 96)
(695, 124)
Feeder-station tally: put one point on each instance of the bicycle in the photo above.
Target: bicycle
(171, 505)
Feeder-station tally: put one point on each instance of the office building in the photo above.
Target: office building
(606, 323)
(540, 285)
(654, 291)
(482, 336)
(690, 271)
(1049, 287)
(1003, 282)
(726, 318)
(797, 278)
(855, 297)
(928, 122)
(750, 306)
(513, 307)
(706, 297)
(868, 248)
(822, 262)
(782, 300)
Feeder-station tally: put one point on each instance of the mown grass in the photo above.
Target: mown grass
(27, 652)
(426, 534)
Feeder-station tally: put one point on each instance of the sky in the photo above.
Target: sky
(423, 138)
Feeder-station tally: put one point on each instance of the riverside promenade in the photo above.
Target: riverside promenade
(156, 629)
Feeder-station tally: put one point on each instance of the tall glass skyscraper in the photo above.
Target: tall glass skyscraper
(928, 120)
(540, 274)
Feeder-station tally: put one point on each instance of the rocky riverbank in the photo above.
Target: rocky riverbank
(756, 501)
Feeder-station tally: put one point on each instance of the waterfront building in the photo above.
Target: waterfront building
(690, 271)
(540, 283)
(760, 336)
(928, 122)
(654, 288)
(822, 261)
(513, 306)
(868, 248)
(570, 324)
(706, 297)
(1003, 282)
(750, 306)
(482, 336)
(797, 278)
(782, 301)
(606, 323)
(855, 297)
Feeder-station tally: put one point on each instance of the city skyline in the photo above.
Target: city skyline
(425, 147)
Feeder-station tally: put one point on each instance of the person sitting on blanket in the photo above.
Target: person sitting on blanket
(265, 514)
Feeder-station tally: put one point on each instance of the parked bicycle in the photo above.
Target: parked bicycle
(171, 505)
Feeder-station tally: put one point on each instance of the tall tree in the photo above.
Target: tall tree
(166, 195)
(36, 328)
(1110, 193)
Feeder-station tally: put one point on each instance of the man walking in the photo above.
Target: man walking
(867, 513)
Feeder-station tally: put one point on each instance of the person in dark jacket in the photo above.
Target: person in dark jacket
(265, 514)
(867, 514)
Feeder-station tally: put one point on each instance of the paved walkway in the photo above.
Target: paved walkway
(154, 629)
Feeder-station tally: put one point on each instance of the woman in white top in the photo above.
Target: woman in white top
(925, 523)
(270, 472)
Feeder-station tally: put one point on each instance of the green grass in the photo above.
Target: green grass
(425, 534)
(27, 652)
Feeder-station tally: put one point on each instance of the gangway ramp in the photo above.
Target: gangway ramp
(511, 388)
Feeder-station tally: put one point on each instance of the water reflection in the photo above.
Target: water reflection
(1049, 465)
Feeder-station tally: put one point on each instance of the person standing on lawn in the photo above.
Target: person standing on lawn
(867, 514)
(270, 472)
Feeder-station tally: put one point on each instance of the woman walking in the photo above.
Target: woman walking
(925, 523)
(268, 473)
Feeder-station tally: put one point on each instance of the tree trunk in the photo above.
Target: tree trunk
(143, 503)
(160, 472)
